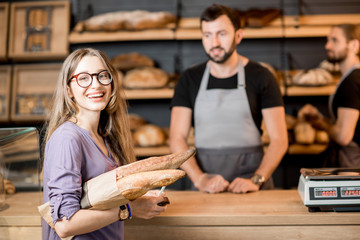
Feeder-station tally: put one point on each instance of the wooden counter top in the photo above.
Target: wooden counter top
(267, 207)
(21, 219)
(275, 214)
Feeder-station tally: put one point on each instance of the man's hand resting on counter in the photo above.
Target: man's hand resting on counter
(242, 185)
(211, 183)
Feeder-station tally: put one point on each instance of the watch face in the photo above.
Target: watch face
(124, 214)
(257, 179)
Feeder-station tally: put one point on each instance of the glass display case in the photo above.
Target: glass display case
(20, 158)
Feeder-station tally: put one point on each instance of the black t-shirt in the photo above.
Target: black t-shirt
(261, 88)
(348, 96)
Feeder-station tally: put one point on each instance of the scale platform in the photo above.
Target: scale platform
(330, 189)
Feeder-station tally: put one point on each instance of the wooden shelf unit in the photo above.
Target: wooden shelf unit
(309, 91)
(33, 86)
(4, 29)
(92, 37)
(294, 149)
(161, 93)
(48, 41)
(5, 84)
(189, 29)
(288, 27)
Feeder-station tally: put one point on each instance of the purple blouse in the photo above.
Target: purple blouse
(71, 158)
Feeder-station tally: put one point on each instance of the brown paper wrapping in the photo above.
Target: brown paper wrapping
(104, 192)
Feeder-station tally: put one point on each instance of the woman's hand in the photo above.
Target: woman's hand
(146, 206)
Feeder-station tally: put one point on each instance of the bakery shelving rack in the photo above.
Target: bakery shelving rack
(188, 29)
(161, 93)
(4, 19)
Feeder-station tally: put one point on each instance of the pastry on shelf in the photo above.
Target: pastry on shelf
(322, 137)
(145, 78)
(304, 133)
(9, 187)
(256, 17)
(312, 77)
(290, 121)
(127, 61)
(333, 68)
(149, 135)
(126, 20)
(136, 121)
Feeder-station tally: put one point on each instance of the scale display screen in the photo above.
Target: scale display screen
(350, 191)
(323, 193)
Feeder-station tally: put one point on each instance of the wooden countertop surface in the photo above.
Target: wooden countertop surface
(272, 207)
(267, 207)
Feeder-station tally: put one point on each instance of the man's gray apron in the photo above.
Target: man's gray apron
(347, 156)
(227, 140)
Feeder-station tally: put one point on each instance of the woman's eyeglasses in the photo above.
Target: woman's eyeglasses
(84, 80)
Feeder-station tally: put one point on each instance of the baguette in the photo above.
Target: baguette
(170, 161)
(137, 184)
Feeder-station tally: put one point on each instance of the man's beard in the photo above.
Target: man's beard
(342, 56)
(226, 55)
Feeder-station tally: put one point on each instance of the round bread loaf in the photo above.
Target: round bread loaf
(333, 68)
(312, 77)
(322, 137)
(304, 133)
(135, 121)
(147, 77)
(128, 61)
(149, 135)
(290, 121)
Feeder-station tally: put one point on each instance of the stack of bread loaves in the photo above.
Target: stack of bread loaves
(126, 20)
(140, 71)
(145, 134)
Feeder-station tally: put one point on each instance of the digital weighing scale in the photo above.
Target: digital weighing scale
(330, 189)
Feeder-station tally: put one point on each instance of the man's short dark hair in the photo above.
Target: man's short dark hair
(214, 11)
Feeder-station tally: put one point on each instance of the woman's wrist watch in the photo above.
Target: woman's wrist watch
(258, 179)
(124, 212)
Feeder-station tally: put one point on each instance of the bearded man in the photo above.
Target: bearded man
(344, 105)
(226, 99)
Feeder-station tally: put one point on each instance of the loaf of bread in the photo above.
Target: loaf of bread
(135, 121)
(322, 137)
(333, 68)
(126, 20)
(312, 77)
(145, 78)
(170, 161)
(304, 133)
(137, 184)
(149, 135)
(290, 121)
(9, 187)
(125, 62)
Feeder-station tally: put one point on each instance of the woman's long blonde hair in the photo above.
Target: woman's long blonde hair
(113, 124)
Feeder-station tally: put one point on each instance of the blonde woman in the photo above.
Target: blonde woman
(88, 134)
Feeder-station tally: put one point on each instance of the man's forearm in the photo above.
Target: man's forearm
(272, 157)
